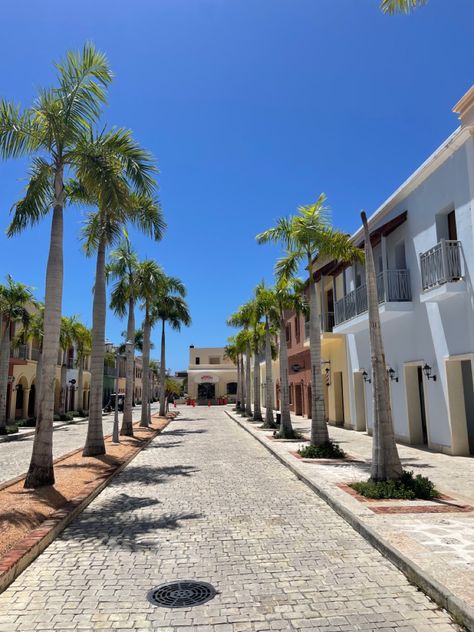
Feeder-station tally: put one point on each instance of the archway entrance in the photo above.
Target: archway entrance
(206, 391)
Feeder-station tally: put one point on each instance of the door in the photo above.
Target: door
(330, 310)
(421, 395)
(206, 391)
(466, 369)
(298, 400)
(452, 228)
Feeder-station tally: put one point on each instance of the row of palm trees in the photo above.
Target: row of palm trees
(74, 163)
(306, 237)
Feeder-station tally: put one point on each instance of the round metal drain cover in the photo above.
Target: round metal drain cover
(181, 594)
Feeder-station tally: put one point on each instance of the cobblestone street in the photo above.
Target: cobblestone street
(205, 501)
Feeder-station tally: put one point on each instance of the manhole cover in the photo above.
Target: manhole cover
(181, 594)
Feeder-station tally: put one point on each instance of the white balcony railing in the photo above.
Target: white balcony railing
(441, 264)
(392, 286)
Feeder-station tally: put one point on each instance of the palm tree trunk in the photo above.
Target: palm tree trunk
(163, 371)
(242, 384)
(80, 385)
(127, 419)
(4, 360)
(257, 411)
(269, 419)
(38, 383)
(286, 428)
(95, 433)
(63, 391)
(145, 420)
(248, 385)
(319, 428)
(386, 463)
(40, 471)
(239, 385)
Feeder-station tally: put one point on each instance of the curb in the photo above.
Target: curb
(15, 561)
(430, 586)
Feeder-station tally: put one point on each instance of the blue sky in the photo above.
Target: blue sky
(251, 109)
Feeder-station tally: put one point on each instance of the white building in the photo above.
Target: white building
(423, 238)
(212, 376)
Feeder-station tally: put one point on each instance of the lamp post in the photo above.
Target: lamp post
(115, 431)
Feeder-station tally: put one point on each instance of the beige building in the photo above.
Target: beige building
(211, 375)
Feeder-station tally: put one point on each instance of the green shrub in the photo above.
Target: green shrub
(296, 435)
(66, 417)
(20, 423)
(328, 450)
(31, 422)
(12, 429)
(407, 487)
(81, 413)
(56, 418)
(75, 413)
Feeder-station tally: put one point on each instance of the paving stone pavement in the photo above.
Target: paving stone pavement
(206, 502)
(15, 455)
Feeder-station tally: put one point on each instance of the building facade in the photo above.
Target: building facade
(211, 375)
(423, 241)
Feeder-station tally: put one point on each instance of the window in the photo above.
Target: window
(214, 360)
(198, 360)
(400, 258)
(290, 394)
(288, 334)
(297, 328)
(231, 388)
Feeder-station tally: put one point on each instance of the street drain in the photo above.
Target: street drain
(181, 594)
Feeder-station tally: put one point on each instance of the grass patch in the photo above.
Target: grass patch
(408, 487)
(328, 450)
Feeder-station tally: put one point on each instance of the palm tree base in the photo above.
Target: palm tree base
(39, 477)
(126, 432)
(257, 417)
(94, 450)
(269, 424)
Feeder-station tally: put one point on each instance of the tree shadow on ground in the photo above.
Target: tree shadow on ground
(180, 432)
(160, 445)
(151, 475)
(128, 522)
(411, 462)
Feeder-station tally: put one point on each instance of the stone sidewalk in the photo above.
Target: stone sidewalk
(15, 455)
(205, 501)
(441, 544)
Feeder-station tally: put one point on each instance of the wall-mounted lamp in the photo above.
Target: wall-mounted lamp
(366, 377)
(328, 376)
(391, 375)
(427, 371)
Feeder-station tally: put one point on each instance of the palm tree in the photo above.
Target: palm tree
(14, 299)
(288, 297)
(66, 341)
(306, 236)
(267, 308)
(170, 308)
(33, 332)
(120, 188)
(386, 463)
(122, 268)
(150, 279)
(400, 6)
(52, 131)
(243, 318)
(233, 354)
(83, 342)
(241, 342)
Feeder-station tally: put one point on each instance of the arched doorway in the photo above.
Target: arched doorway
(31, 401)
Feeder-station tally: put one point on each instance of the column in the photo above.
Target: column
(26, 399)
(384, 268)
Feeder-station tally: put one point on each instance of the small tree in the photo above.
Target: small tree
(243, 318)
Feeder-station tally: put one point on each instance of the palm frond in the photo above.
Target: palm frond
(37, 200)
(18, 134)
(400, 6)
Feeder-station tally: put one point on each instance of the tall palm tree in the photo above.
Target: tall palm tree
(115, 208)
(171, 309)
(243, 318)
(150, 279)
(267, 308)
(233, 354)
(400, 6)
(66, 340)
(288, 297)
(122, 268)
(241, 342)
(386, 463)
(52, 131)
(308, 235)
(83, 342)
(14, 300)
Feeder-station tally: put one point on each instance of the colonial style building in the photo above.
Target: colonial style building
(211, 375)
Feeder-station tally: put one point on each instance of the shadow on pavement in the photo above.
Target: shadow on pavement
(179, 432)
(127, 522)
(147, 475)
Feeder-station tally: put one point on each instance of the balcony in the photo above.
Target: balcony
(35, 354)
(393, 290)
(19, 352)
(442, 270)
(326, 323)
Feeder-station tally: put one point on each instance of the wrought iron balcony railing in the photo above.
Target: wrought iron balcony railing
(441, 264)
(392, 286)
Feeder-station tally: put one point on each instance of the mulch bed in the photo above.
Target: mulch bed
(442, 504)
(346, 460)
(23, 510)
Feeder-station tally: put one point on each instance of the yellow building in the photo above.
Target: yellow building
(211, 375)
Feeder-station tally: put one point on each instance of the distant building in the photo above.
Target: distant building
(211, 375)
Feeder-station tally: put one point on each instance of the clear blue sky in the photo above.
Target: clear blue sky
(251, 108)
